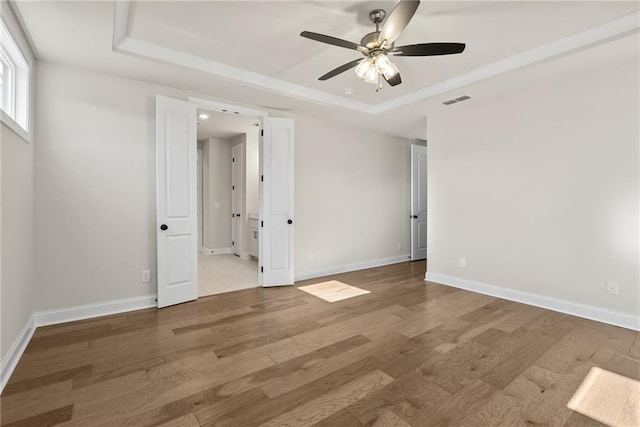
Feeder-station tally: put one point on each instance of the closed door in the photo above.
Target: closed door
(236, 199)
(418, 202)
(176, 201)
(277, 222)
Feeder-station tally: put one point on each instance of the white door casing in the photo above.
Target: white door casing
(199, 195)
(418, 202)
(277, 222)
(236, 199)
(176, 201)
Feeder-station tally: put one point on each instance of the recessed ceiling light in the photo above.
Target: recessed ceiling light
(203, 116)
(348, 92)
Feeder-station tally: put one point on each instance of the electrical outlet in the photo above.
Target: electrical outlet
(146, 276)
(463, 263)
(399, 246)
(312, 256)
(612, 287)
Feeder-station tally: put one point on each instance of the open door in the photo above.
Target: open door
(276, 241)
(418, 202)
(237, 194)
(176, 201)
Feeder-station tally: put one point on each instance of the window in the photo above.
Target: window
(7, 83)
(15, 59)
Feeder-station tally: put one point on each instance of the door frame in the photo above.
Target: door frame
(417, 149)
(235, 110)
(200, 195)
(237, 200)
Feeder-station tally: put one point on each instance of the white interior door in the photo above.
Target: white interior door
(418, 202)
(236, 199)
(176, 201)
(276, 237)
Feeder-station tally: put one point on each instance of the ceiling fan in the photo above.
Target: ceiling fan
(378, 45)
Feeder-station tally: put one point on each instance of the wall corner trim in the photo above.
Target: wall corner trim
(14, 354)
(63, 315)
(312, 274)
(590, 312)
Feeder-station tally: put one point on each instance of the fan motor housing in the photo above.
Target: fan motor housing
(370, 41)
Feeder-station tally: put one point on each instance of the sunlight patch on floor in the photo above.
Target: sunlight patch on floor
(333, 291)
(608, 397)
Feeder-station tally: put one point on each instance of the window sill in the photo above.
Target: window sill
(15, 127)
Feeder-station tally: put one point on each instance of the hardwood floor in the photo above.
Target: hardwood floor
(405, 354)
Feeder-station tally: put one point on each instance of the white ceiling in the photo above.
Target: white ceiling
(221, 125)
(251, 53)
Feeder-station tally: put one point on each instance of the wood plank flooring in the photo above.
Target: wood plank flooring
(406, 354)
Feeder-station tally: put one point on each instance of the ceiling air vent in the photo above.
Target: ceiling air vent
(458, 99)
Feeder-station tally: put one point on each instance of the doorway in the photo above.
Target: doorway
(418, 202)
(177, 198)
(229, 197)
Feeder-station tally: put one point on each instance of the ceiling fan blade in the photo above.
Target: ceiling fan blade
(397, 21)
(394, 81)
(341, 69)
(333, 41)
(429, 49)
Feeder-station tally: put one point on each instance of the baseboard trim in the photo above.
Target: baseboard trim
(312, 274)
(217, 251)
(88, 311)
(14, 354)
(598, 314)
(63, 315)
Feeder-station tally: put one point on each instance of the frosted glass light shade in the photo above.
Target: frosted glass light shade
(372, 76)
(386, 67)
(364, 67)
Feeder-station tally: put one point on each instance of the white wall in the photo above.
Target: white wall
(538, 189)
(352, 194)
(219, 194)
(17, 239)
(95, 189)
(95, 186)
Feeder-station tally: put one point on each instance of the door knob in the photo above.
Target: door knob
(289, 221)
(164, 227)
(414, 216)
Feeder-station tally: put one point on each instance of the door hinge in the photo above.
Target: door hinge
(233, 243)
(233, 187)
(261, 178)
(233, 159)
(261, 269)
(261, 223)
(261, 132)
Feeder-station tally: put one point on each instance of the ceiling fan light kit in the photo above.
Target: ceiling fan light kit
(376, 46)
